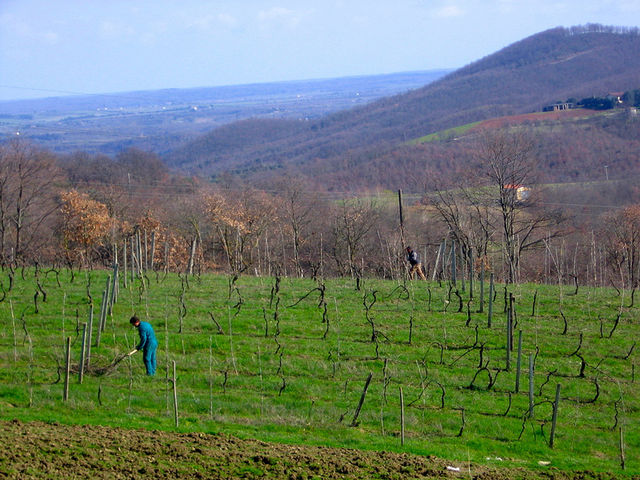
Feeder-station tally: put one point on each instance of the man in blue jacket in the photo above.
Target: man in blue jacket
(148, 344)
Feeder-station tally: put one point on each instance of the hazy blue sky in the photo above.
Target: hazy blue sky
(49, 47)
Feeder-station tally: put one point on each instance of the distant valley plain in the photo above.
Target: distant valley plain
(160, 120)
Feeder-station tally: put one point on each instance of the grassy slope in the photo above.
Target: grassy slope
(511, 120)
(298, 387)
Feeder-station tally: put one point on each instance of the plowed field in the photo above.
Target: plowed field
(42, 450)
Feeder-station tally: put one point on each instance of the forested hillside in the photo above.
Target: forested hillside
(367, 146)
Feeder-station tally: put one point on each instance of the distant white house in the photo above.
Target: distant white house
(616, 97)
(522, 192)
(558, 106)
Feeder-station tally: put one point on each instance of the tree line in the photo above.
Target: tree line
(81, 211)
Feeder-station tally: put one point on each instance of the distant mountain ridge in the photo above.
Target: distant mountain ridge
(521, 78)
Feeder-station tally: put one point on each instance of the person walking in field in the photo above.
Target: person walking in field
(416, 265)
(148, 344)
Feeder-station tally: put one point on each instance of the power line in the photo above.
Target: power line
(578, 205)
(133, 189)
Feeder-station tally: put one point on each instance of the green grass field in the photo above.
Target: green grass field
(288, 363)
(444, 134)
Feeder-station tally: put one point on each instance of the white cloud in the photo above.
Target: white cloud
(628, 6)
(13, 26)
(227, 20)
(50, 37)
(281, 16)
(110, 29)
(208, 22)
(448, 11)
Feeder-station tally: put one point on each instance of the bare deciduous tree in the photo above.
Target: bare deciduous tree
(622, 239)
(466, 212)
(353, 220)
(509, 160)
(27, 198)
(240, 221)
(296, 208)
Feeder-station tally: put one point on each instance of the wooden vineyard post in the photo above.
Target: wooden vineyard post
(107, 289)
(192, 256)
(175, 395)
(512, 317)
(491, 287)
(519, 361)
(509, 336)
(435, 267)
(139, 253)
(146, 252)
(67, 370)
(471, 273)
(453, 262)
(401, 218)
(153, 249)
(463, 267)
(103, 309)
(132, 256)
(443, 271)
(83, 349)
(210, 376)
(554, 418)
(124, 256)
(530, 386)
(401, 417)
(114, 289)
(100, 320)
(166, 354)
(481, 309)
(89, 334)
(15, 342)
(354, 422)
(133, 259)
(166, 256)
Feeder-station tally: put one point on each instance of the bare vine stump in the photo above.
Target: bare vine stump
(555, 416)
(491, 289)
(621, 445)
(354, 422)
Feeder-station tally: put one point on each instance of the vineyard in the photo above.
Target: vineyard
(520, 376)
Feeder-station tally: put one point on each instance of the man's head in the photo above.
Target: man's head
(135, 321)
(409, 249)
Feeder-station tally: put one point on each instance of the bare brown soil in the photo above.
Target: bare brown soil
(41, 450)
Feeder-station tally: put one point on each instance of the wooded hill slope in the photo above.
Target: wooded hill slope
(366, 147)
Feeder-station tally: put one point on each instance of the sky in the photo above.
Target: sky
(59, 47)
